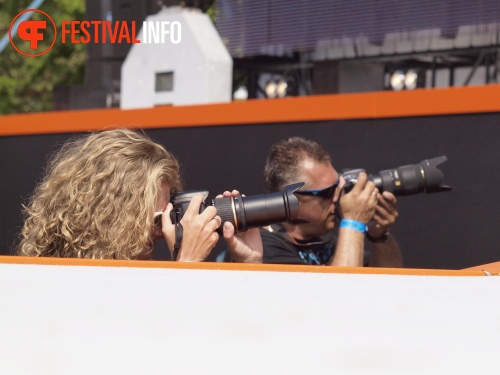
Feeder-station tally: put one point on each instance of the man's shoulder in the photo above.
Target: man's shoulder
(273, 237)
(277, 249)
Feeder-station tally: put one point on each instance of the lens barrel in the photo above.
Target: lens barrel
(411, 179)
(259, 210)
(246, 212)
(405, 180)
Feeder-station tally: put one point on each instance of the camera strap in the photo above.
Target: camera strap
(179, 231)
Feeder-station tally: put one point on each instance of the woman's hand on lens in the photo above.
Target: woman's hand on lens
(199, 236)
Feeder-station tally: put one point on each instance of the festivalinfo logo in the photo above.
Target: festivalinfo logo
(33, 32)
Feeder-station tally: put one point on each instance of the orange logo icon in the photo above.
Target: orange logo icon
(32, 32)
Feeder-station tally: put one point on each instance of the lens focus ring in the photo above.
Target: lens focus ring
(225, 209)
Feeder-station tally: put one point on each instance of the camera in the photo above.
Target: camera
(423, 177)
(245, 212)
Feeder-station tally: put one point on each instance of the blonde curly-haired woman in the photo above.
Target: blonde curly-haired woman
(99, 198)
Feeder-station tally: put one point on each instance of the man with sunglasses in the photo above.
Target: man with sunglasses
(366, 215)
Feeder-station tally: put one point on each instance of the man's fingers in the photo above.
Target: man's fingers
(228, 233)
(228, 230)
(385, 217)
(228, 194)
(388, 201)
(381, 211)
(391, 198)
(360, 184)
(370, 191)
(381, 220)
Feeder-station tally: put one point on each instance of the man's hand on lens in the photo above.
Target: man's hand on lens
(386, 213)
(245, 247)
(359, 204)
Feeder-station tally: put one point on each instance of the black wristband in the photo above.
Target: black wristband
(382, 238)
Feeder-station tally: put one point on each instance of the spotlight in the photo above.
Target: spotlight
(241, 93)
(281, 88)
(397, 80)
(414, 79)
(271, 89)
(409, 80)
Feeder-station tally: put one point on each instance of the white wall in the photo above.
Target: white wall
(57, 319)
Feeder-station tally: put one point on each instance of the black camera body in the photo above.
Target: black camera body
(423, 177)
(245, 212)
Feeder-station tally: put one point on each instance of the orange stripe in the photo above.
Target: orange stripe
(234, 266)
(422, 102)
(493, 268)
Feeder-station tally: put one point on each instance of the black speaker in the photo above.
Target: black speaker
(117, 10)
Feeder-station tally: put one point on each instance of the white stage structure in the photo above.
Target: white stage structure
(181, 60)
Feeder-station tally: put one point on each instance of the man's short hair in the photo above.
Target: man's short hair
(283, 163)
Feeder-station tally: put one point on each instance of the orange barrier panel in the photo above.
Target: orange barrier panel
(490, 267)
(236, 266)
(385, 104)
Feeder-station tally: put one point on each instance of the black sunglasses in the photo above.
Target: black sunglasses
(323, 193)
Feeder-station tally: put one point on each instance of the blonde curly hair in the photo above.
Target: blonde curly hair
(98, 197)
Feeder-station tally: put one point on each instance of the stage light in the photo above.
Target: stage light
(407, 80)
(271, 89)
(397, 80)
(241, 93)
(281, 88)
(411, 79)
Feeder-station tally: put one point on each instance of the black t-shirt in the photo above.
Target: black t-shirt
(279, 250)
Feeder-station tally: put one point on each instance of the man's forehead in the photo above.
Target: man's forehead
(318, 172)
(308, 164)
(311, 165)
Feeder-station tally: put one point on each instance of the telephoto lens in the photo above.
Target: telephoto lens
(246, 212)
(423, 177)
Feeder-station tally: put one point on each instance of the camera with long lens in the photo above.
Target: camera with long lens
(423, 177)
(245, 212)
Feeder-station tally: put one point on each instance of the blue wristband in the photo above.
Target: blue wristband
(353, 224)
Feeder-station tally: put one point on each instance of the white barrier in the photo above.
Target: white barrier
(72, 318)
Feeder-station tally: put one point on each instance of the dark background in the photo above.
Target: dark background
(451, 230)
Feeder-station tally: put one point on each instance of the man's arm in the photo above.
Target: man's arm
(350, 249)
(386, 254)
(359, 205)
(385, 249)
(244, 247)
